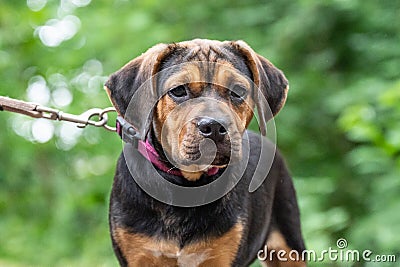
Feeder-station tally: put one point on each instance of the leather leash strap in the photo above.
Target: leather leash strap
(18, 106)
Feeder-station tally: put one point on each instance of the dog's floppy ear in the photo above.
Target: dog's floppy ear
(271, 82)
(123, 85)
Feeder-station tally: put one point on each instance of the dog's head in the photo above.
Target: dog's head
(204, 93)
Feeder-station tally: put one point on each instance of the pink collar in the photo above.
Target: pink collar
(149, 152)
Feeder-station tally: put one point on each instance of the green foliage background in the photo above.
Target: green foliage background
(340, 129)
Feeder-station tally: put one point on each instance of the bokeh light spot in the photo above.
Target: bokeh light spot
(37, 91)
(42, 130)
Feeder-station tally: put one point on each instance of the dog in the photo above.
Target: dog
(202, 90)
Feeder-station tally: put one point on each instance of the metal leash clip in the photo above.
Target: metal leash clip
(84, 119)
(37, 111)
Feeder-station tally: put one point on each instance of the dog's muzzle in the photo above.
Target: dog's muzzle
(211, 128)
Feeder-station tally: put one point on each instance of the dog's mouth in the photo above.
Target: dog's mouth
(198, 159)
(215, 155)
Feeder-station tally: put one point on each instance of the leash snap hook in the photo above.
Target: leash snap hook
(85, 118)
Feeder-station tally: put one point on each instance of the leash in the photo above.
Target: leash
(37, 111)
(124, 129)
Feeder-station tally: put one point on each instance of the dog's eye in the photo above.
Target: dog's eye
(238, 92)
(178, 92)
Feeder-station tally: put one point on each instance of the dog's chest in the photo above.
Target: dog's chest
(173, 256)
(143, 250)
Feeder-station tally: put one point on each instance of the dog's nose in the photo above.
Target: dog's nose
(211, 128)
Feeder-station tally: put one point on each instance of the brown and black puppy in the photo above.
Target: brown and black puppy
(202, 90)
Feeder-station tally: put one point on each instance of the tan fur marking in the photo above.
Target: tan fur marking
(244, 112)
(191, 176)
(196, 87)
(141, 250)
(277, 242)
(225, 75)
(164, 106)
(223, 250)
(187, 74)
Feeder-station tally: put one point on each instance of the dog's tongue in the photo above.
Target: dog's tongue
(212, 171)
